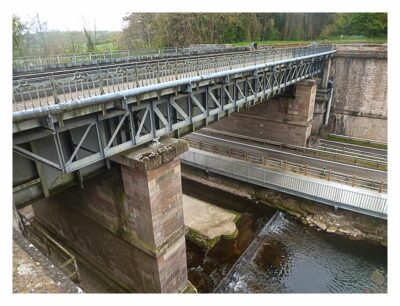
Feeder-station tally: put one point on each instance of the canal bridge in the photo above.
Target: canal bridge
(127, 224)
(74, 123)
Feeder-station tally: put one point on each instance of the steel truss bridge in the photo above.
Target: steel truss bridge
(65, 129)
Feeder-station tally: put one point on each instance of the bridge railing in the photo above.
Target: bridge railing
(29, 64)
(287, 166)
(43, 91)
(371, 203)
(363, 160)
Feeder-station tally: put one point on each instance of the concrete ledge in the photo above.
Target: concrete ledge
(207, 224)
(35, 273)
(361, 51)
(148, 158)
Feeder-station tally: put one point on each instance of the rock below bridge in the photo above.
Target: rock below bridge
(207, 223)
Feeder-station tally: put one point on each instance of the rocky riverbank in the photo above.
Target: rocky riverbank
(319, 216)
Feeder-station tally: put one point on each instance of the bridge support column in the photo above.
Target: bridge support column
(126, 226)
(152, 184)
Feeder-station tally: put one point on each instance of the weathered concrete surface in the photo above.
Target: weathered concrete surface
(128, 223)
(29, 276)
(34, 273)
(319, 216)
(282, 119)
(208, 221)
(359, 105)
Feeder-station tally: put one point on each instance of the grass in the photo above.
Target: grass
(365, 143)
(331, 40)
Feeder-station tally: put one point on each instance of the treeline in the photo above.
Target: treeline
(156, 30)
(179, 29)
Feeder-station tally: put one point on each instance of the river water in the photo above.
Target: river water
(275, 253)
(288, 257)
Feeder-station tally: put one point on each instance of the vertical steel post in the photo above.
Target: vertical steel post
(158, 71)
(100, 82)
(176, 69)
(54, 89)
(136, 76)
(152, 120)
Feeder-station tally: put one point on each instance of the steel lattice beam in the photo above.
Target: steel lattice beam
(151, 119)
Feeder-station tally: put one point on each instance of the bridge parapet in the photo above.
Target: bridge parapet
(30, 63)
(54, 89)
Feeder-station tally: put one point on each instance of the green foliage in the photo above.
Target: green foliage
(369, 24)
(156, 30)
(177, 29)
(18, 32)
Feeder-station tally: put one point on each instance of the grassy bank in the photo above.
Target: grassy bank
(332, 40)
(357, 142)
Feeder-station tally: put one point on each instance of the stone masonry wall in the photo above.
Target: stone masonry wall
(128, 222)
(359, 105)
(281, 119)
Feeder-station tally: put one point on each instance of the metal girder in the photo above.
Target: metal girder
(80, 143)
(35, 157)
(153, 118)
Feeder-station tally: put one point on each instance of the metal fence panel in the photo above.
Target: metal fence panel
(367, 202)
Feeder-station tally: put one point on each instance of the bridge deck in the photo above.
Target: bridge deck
(70, 93)
(293, 157)
(74, 138)
(49, 90)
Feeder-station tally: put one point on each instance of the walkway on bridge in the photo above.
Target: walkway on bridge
(50, 90)
(331, 193)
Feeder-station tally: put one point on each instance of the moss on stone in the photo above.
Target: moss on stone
(231, 236)
(290, 209)
(304, 221)
(190, 288)
(200, 240)
(237, 214)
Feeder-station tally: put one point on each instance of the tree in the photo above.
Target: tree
(19, 30)
(41, 28)
(369, 24)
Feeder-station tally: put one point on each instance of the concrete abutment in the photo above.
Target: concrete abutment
(128, 221)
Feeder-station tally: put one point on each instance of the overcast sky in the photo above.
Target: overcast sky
(73, 21)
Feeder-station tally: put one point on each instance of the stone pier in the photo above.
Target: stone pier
(127, 222)
(286, 119)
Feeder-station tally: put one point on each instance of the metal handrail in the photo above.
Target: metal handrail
(284, 165)
(31, 63)
(354, 158)
(48, 90)
(330, 193)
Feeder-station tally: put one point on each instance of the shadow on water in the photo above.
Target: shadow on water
(287, 257)
(280, 255)
(205, 270)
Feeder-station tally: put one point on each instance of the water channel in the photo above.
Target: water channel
(275, 253)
